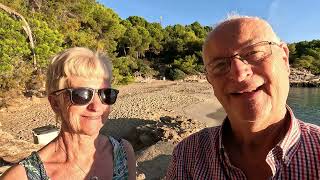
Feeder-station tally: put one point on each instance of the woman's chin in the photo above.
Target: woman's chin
(91, 128)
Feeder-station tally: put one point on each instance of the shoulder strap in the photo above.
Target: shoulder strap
(120, 165)
(34, 167)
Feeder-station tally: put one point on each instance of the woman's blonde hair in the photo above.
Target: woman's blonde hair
(79, 62)
(76, 62)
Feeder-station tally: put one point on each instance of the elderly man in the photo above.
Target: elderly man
(248, 68)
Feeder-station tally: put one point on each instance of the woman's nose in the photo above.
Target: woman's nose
(95, 104)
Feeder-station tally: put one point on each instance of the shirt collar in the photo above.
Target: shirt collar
(287, 144)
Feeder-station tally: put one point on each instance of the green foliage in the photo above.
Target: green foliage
(292, 50)
(135, 45)
(121, 79)
(198, 30)
(135, 41)
(14, 53)
(156, 34)
(180, 41)
(123, 68)
(107, 26)
(17, 5)
(304, 61)
(47, 41)
(175, 74)
(145, 41)
(12, 42)
(130, 40)
(187, 64)
(145, 69)
(306, 54)
(137, 21)
(16, 80)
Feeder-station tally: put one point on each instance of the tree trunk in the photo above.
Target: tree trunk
(25, 27)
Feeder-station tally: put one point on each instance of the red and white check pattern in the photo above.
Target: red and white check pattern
(202, 156)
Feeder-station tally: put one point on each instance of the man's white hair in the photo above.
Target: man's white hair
(231, 17)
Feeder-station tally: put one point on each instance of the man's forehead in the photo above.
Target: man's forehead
(242, 31)
(232, 35)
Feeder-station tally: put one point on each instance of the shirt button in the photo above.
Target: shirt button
(286, 160)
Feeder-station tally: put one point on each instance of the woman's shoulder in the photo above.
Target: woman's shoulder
(24, 168)
(117, 142)
(131, 158)
(127, 145)
(121, 147)
(15, 172)
(124, 158)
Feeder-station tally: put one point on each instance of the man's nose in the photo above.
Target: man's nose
(240, 69)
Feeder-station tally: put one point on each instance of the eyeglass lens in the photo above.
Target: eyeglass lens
(82, 96)
(108, 96)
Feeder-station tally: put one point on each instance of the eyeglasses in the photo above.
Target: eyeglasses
(84, 95)
(253, 54)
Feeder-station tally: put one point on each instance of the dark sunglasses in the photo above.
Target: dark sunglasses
(84, 95)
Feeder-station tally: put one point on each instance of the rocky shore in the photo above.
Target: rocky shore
(303, 78)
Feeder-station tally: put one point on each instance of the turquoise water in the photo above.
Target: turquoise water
(305, 103)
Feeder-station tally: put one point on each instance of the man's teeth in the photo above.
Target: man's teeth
(247, 91)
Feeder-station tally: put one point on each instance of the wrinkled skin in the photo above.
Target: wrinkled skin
(253, 96)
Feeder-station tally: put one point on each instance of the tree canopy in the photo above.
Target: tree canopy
(134, 45)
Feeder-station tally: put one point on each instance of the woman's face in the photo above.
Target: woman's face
(91, 116)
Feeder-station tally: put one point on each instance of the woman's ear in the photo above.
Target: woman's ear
(54, 103)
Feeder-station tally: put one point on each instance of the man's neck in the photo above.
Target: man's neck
(247, 146)
(260, 134)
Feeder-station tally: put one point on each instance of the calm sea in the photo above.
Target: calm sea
(305, 103)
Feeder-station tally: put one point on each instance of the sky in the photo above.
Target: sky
(292, 20)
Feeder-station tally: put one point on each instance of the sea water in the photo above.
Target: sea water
(305, 103)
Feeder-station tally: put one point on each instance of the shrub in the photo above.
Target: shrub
(17, 80)
(145, 69)
(187, 64)
(47, 41)
(175, 74)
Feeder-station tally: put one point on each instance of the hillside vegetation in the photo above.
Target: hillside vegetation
(135, 46)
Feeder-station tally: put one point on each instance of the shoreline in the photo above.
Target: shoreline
(305, 84)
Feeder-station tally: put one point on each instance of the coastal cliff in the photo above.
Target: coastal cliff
(303, 78)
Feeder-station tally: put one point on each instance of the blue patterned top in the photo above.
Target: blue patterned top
(35, 169)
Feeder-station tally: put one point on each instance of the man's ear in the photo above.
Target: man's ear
(209, 80)
(54, 103)
(285, 55)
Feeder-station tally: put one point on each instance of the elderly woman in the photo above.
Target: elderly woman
(80, 94)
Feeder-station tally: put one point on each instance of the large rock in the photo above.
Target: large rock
(154, 160)
(172, 129)
(13, 150)
(303, 78)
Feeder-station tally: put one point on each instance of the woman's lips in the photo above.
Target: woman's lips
(92, 117)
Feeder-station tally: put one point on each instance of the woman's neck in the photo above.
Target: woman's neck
(75, 145)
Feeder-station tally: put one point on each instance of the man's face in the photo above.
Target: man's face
(249, 92)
